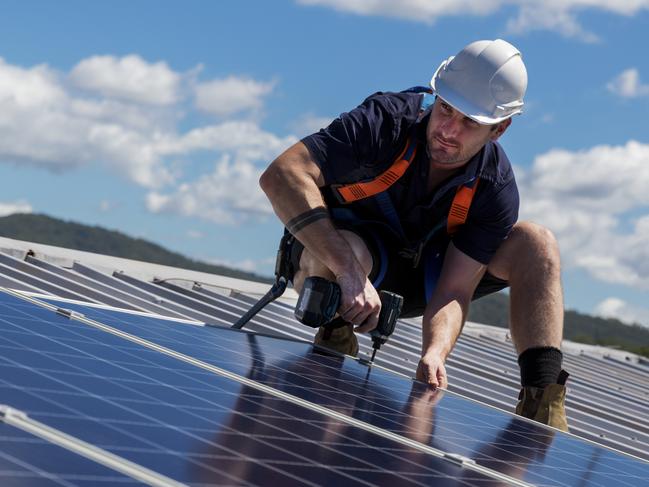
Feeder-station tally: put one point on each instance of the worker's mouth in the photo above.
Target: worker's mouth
(445, 144)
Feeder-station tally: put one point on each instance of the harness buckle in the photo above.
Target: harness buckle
(413, 253)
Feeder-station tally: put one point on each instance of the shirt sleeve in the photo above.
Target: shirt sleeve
(358, 141)
(491, 218)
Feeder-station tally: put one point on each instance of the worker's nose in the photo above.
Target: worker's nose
(449, 128)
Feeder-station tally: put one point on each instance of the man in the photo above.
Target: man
(421, 200)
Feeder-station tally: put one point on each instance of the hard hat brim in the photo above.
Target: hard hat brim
(461, 104)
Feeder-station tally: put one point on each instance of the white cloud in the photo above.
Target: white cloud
(223, 97)
(9, 208)
(556, 15)
(417, 10)
(127, 120)
(628, 85)
(623, 311)
(596, 202)
(128, 78)
(229, 195)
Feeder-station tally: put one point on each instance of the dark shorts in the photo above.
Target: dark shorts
(396, 273)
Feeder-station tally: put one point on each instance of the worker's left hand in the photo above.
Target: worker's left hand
(431, 370)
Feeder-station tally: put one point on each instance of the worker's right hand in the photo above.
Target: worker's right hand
(359, 303)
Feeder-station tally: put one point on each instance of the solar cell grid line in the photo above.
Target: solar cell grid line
(29, 460)
(53, 278)
(582, 424)
(445, 465)
(22, 421)
(124, 299)
(632, 479)
(381, 465)
(513, 379)
(46, 286)
(581, 421)
(614, 430)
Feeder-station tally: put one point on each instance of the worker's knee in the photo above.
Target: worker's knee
(534, 240)
(530, 247)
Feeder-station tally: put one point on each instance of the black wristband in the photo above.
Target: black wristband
(296, 224)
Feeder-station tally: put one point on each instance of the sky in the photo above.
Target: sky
(156, 118)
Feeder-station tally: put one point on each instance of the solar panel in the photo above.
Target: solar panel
(587, 418)
(188, 423)
(517, 448)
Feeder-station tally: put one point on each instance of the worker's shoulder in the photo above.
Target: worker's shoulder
(402, 103)
(495, 165)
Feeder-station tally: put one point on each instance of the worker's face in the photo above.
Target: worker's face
(453, 139)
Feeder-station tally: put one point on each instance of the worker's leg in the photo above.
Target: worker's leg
(341, 339)
(529, 260)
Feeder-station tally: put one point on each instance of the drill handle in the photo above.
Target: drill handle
(391, 305)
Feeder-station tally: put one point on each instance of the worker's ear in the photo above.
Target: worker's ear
(499, 129)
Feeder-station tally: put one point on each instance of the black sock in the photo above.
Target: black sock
(540, 366)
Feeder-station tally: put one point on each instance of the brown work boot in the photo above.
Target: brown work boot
(545, 404)
(341, 339)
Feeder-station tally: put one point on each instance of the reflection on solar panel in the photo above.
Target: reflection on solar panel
(209, 406)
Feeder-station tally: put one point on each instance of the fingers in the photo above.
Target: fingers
(371, 322)
(360, 305)
(432, 372)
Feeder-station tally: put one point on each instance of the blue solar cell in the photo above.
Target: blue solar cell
(184, 422)
(513, 446)
(28, 460)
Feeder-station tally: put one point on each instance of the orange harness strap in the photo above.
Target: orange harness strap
(457, 215)
(357, 191)
(460, 207)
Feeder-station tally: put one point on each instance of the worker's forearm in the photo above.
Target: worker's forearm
(441, 327)
(293, 191)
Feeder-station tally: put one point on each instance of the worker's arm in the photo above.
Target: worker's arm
(446, 312)
(292, 185)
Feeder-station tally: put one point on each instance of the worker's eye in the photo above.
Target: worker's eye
(446, 107)
(471, 123)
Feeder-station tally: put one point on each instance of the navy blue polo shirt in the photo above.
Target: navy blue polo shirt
(363, 143)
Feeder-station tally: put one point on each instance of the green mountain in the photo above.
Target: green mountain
(52, 231)
(491, 309)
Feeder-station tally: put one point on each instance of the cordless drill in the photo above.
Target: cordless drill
(319, 301)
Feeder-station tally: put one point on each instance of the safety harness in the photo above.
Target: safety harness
(458, 213)
(377, 188)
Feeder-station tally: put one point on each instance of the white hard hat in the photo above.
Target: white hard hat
(486, 81)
